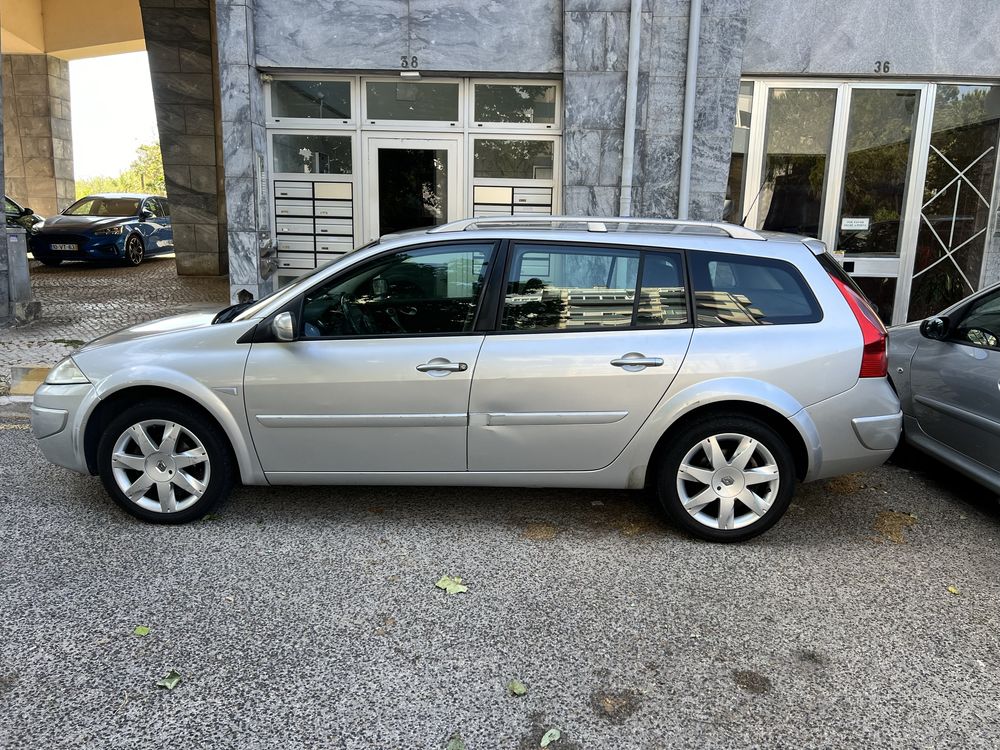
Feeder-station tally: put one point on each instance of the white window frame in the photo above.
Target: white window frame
(368, 123)
(313, 123)
(515, 127)
(472, 181)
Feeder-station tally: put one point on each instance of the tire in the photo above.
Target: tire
(135, 251)
(50, 262)
(722, 482)
(180, 484)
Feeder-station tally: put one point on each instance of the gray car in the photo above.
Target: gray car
(713, 363)
(947, 372)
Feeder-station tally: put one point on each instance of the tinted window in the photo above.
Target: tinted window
(735, 290)
(428, 290)
(981, 324)
(10, 208)
(164, 207)
(153, 207)
(662, 296)
(104, 207)
(565, 287)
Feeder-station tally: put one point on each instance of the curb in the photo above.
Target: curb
(15, 406)
(24, 380)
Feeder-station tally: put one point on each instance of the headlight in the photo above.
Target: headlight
(117, 229)
(66, 373)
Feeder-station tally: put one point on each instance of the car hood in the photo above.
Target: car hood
(197, 318)
(61, 223)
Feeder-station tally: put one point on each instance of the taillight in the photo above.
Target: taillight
(873, 358)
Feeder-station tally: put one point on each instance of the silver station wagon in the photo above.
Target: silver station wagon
(712, 363)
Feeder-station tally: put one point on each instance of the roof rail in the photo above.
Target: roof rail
(594, 224)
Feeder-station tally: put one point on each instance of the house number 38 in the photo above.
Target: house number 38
(408, 62)
(881, 66)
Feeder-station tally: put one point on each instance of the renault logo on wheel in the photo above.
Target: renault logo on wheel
(728, 481)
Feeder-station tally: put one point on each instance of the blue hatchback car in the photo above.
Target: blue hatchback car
(111, 226)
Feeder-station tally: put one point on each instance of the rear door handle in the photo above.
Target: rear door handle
(440, 366)
(635, 362)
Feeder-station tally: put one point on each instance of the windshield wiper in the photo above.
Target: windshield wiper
(227, 314)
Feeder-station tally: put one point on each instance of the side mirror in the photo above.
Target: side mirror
(26, 211)
(283, 326)
(144, 214)
(936, 328)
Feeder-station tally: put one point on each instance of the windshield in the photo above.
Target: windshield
(104, 207)
(257, 306)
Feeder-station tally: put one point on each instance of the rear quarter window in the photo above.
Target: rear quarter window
(736, 290)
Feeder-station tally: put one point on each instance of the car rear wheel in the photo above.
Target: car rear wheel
(134, 250)
(165, 464)
(726, 479)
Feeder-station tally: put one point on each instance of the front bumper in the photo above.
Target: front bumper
(102, 247)
(57, 418)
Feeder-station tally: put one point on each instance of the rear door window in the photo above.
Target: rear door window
(736, 290)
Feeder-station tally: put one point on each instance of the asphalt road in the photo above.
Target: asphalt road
(308, 618)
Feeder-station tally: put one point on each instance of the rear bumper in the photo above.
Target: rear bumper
(857, 429)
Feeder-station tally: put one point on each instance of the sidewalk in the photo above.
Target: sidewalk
(81, 302)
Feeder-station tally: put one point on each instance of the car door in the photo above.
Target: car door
(154, 227)
(578, 360)
(379, 377)
(956, 383)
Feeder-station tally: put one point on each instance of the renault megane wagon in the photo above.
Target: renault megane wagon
(712, 363)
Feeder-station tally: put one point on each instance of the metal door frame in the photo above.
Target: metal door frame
(372, 142)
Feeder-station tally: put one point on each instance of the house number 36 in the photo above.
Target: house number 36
(881, 66)
(408, 62)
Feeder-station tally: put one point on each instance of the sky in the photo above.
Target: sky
(112, 110)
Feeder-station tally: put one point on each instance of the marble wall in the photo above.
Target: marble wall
(505, 36)
(596, 58)
(5, 311)
(241, 105)
(180, 41)
(38, 147)
(918, 37)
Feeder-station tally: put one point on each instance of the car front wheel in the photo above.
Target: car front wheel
(134, 250)
(726, 479)
(165, 464)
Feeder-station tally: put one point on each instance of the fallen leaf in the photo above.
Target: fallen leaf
(539, 530)
(517, 687)
(451, 585)
(455, 742)
(170, 680)
(953, 589)
(210, 517)
(141, 630)
(549, 737)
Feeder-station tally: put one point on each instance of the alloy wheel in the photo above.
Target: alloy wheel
(160, 466)
(134, 251)
(728, 481)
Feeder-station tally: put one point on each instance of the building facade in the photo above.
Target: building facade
(294, 131)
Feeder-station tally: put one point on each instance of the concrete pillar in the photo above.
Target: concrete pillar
(248, 219)
(181, 42)
(38, 147)
(5, 311)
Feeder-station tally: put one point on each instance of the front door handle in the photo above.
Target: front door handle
(440, 366)
(635, 362)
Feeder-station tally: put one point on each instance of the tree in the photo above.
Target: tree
(143, 175)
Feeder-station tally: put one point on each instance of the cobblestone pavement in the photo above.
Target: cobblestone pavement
(83, 301)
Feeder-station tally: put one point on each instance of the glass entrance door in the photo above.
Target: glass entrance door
(876, 189)
(412, 182)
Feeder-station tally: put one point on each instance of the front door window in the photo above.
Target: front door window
(412, 188)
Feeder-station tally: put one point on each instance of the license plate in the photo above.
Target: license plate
(65, 248)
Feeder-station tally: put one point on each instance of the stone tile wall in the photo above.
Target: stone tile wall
(5, 311)
(180, 41)
(596, 59)
(38, 147)
(243, 147)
